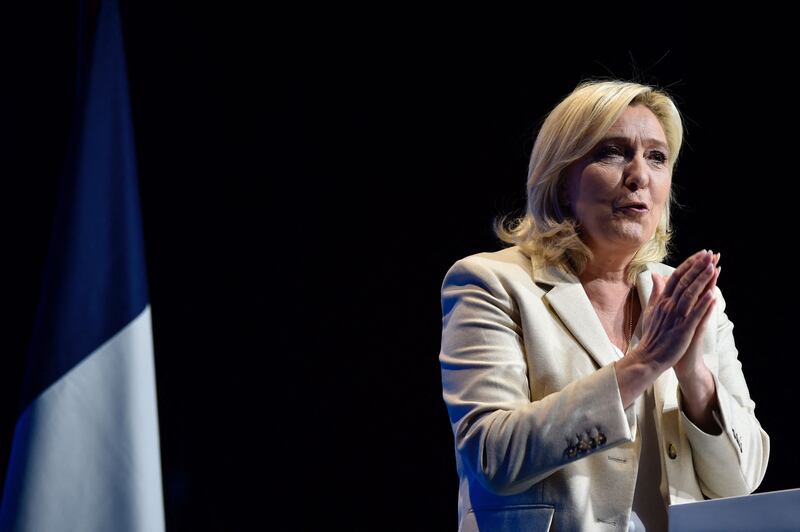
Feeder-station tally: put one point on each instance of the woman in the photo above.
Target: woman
(588, 384)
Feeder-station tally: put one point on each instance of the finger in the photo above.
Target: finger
(694, 291)
(658, 290)
(712, 283)
(699, 268)
(702, 311)
(679, 271)
(653, 320)
(655, 293)
(682, 269)
(704, 320)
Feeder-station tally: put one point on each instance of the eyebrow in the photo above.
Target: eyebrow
(655, 142)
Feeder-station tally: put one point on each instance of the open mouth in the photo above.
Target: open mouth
(634, 210)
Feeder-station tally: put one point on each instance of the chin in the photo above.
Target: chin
(634, 232)
(628, 241)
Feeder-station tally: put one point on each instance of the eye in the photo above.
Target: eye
(659, 156)
(609, 151)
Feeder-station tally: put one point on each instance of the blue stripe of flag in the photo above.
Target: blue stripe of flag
(95, 281)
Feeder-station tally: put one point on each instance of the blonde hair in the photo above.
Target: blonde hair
(547, 231)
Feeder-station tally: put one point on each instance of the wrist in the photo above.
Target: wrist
(697, 382)
(634, 375)
(638, 357)
(697, 373)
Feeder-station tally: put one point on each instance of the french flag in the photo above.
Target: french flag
(85, 455)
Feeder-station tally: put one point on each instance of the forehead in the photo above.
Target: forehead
(638, 122)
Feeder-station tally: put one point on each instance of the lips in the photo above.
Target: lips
(634, 209)
(637, 206)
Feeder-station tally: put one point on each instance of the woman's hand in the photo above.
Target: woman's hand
(691, 363)
(679, 305)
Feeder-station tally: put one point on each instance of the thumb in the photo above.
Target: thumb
(658, 288)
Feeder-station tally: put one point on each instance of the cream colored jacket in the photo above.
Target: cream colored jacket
(542, 441)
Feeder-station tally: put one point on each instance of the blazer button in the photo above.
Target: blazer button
(571, 452)
(671, 452)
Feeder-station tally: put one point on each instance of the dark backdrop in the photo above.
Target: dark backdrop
(307, 180)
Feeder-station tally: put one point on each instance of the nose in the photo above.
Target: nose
(637, 173)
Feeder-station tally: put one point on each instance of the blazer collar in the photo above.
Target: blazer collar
(570, 302)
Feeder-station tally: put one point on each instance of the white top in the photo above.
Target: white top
(649, 512)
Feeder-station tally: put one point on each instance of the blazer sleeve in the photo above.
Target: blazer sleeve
(507, 441)
(733, 462)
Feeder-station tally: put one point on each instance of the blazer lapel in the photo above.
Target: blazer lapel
(569, 301)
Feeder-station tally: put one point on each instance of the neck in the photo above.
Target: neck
(605, 280)
(609, 270)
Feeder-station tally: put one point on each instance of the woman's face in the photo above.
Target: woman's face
(630, 165)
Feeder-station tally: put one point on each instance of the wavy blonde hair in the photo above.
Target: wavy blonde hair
(547, 231)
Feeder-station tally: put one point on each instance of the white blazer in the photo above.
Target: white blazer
(542, 441)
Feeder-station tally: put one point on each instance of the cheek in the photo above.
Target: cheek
(660, 196)
(657, 214)
(596, 187)
(661, 190)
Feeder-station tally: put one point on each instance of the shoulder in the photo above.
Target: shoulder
(510, 261)
(487, 280)
(506, 265)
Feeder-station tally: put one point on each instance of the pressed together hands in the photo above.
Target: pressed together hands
(673, 324)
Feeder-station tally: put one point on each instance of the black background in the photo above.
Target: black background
(308, 177)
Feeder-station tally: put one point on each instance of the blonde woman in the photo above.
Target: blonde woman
(588, 384)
